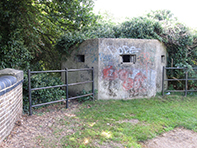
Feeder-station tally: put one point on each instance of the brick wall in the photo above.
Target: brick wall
(11, 102)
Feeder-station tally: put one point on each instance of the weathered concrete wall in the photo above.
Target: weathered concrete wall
(125, 80)
(89, 49)
(115, 78)
(161, 60)
(11, 99)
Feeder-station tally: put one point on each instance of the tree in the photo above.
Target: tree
(30, 29)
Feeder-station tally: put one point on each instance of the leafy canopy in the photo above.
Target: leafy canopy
(30, 29)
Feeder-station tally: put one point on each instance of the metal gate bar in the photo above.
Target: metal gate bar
(186, 80)
(64, 85)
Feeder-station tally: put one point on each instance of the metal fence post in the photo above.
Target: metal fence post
(186, 77)
(163, 81)
(29, 87)
(93, 82)
(66, 80)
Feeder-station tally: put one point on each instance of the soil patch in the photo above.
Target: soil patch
(178, 138)
(132, 121)
(30, 130)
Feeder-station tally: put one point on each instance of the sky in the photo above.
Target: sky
(185, 10)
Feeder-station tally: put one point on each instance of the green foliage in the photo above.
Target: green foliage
(14, 53)
(31, 29)
(140, 28)
(162, 15)
(70, 39)
(83, 99)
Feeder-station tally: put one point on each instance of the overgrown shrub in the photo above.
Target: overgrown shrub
(70, 39)
(140, 28)
(83, 92)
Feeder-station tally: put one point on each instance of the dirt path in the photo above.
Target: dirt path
(178, 138)
(30, 130)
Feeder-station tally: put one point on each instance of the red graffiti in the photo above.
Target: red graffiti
(110, 73)
(145, 59)
(123, 74)
(128, 84)
(135, 83)
(138, 81)
(139, 76)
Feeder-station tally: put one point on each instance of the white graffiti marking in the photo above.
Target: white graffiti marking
(121, 50)
(128, 50)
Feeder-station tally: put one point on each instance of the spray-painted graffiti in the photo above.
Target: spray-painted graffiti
(128, 84)
(145, 59)
(130, 81)
(139, 83)
(111, 54)
(109, 73)
(106, 58)
(128, 50)
(121, 50)
(122, 78)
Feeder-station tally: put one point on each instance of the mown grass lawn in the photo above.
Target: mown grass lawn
(110, 121)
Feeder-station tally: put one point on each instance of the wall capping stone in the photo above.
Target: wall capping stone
(13, 72)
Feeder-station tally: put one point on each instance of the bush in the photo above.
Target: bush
(83, 92)
(140, 28)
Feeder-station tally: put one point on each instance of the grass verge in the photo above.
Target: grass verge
(125, 123)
